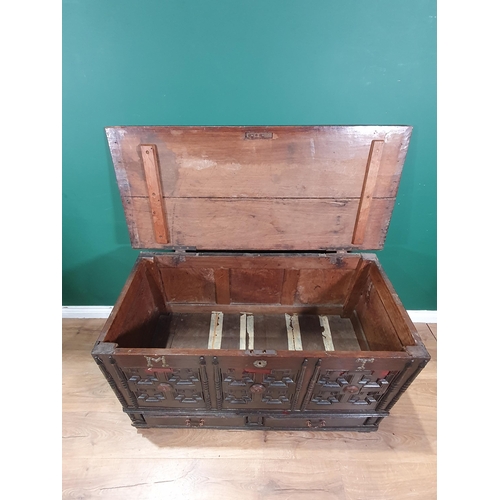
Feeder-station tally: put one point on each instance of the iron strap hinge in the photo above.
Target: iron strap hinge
(184, 249)
(338, 250)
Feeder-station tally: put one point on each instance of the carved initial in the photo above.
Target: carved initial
(150, 360)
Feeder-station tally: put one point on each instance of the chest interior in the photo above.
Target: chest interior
(267, 303)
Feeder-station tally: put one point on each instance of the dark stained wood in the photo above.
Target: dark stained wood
(270, 331)
(231, 331)
(163, 336)
(310, 332)
(265, 193)
(189, 331)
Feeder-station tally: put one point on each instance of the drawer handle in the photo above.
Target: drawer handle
(189, 423)
(321, 423)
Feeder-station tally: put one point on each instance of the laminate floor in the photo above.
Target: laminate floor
(105, 457)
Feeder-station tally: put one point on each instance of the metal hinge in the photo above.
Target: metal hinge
(338, 250)
(184, 249)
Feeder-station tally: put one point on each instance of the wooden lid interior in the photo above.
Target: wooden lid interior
(258, 188)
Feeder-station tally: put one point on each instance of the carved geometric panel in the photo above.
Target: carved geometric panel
(356, 388)
(151, 396)
(166, 386)
(237, 389)
(370, 392)
(260, 389)
(279, 387)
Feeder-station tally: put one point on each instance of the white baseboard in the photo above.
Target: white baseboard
(86, 311)
(105, 311)
(423, 316)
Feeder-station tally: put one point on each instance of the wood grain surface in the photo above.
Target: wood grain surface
(105, 457)
(274, 188)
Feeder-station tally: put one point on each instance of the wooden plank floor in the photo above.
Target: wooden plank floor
(105, 457)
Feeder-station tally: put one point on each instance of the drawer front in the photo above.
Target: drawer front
(314, 423)
(189, 421)
(252, 422)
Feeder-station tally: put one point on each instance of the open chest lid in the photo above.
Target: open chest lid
(304, 188)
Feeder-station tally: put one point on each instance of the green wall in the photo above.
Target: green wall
(230, 62)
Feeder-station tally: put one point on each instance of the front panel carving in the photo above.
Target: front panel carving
(237, 390)
(349, 389)
(166, 387)
(219, 383)
(280, 387)
(259, 389)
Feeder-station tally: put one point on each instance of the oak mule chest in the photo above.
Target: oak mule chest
(263, 313)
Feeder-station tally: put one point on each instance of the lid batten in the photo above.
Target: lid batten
(155, 192)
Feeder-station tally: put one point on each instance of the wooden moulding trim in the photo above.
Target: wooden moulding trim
(367, 192)
(156, 352)
(152, 173)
